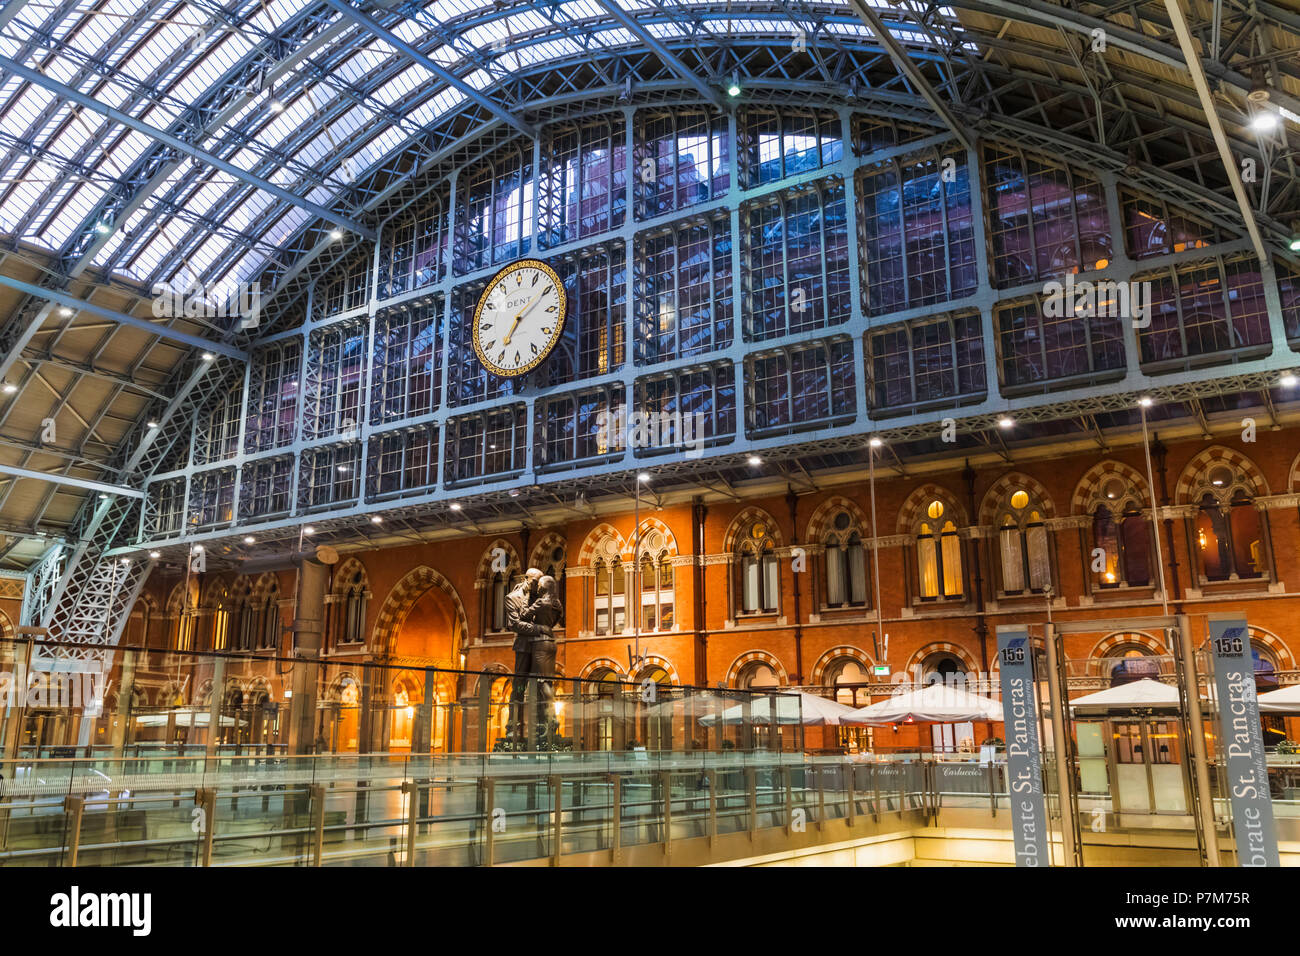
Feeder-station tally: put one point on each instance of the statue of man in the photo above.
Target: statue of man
(517, 601)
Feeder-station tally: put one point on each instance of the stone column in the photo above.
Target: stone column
(308, 629)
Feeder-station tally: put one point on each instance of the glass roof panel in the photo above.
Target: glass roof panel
(158, 59)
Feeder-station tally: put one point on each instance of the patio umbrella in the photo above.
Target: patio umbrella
(1139, 694)
(936, 704)
(808, 709)
(1284, 700)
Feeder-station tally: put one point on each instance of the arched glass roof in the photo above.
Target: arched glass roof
(305, 96)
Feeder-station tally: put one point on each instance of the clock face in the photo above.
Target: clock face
(519, 318)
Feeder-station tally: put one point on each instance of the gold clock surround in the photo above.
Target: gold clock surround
(554, 339)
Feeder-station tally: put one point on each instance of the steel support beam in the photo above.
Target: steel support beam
(910, 70)
(81, 305)
(175, 142)
(1230, 163)
(451, 79)
(674, 63)
(84, 483)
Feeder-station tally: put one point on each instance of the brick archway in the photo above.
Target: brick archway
(819, 523)
(542, 551)
(402, 598)
(493, 672)
(742, 520)
(1004, 486)
(749, 657)
(601, 663)
(1098, 475)
(651, 661)
(1120, 638)
(1218, 455)
(914, 507)
(483, 574)
(941, 647)
(836, 654)
(587, 553)
(648, 525)
(1285, 659)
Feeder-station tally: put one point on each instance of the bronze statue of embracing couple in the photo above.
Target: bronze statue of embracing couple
(533, 609)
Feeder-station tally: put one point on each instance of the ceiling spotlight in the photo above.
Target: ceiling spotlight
(103, 497)
(197, 548)
(10, 388)
(1288, 380)
(733, 85)
(126, 561)
(755, 460)
(155, 555)
(1145, 402)
(207, 356)
(1005, 422)
(336, 234)
(343, 469)
(276, 105)
(875, 443)
(65, 311)
(644, 476)
(376, 519)
(514, 492)
(1294, 244)
(309, 530)
(150, 424)
(249, 539)
(103, 228)
(1265, 121)
(454, 506)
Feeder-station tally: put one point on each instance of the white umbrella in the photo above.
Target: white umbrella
(808, 709)
(936, 704)
(1284, 700)
(1138, 694)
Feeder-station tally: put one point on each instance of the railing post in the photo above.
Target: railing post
(789, 797)
(206, 800)
(712, 778)
(317, 792)
(993, 797)
(875, 790)
(666, 793)
(557, 824)
(489, 819)
(74, 806)
(616, 823)
(412, 813)
(751, 794)
(821, 798)
(850, 786)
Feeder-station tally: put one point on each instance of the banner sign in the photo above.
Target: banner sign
(1024, 760)
(1242, 742)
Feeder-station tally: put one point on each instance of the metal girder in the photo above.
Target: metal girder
(85, 483)
(1230, 166)
(437, 69)
(117, 116)
(910, 69)
(81, 305)
(709, 93)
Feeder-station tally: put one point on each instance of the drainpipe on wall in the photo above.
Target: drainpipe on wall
(1160, 453)
(792, 502)
(698, 513)
(981, 627)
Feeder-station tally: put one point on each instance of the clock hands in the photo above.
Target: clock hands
(519, 316)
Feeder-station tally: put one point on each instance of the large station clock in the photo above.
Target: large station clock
(519, 318)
